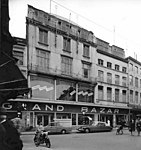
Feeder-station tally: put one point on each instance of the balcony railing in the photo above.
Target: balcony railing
(58, 72)
(112, 103)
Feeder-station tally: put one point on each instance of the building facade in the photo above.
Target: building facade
(61, 67)
(134, 77)
(72, 74)
(112, 87)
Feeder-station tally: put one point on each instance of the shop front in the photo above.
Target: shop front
(36, 112)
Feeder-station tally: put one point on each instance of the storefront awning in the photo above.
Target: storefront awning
(12, 81)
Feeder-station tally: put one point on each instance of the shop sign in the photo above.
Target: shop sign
(47, 107)
(7, 106)
(100, 110)
(61, 108)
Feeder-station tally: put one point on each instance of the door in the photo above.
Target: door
(46, 120)
(39, 119)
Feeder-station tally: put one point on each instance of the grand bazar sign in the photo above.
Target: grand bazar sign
(62, 108)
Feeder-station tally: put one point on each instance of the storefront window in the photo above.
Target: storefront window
(85, 93)
(42, 88)
(65, 90)
(73, 119)
(63, 116)
(85, 119)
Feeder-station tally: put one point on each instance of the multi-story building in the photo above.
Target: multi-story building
(72, 73)
(61, 68)
(112, 88)
(134, 80)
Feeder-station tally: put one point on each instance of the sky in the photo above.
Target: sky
(114, 21)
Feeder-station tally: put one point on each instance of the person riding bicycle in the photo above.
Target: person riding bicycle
(40, 130)
(120, 127)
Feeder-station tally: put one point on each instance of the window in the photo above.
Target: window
(116, 95)
(124, 69)
(117, 67)
(85, 93)
(109, 65)
(124, 80)
(109, 78)
(109, 94)
(131, 80)
(131, 96)
(44, 83)
(117, 79)
(19, 56)
(42, 59)
(86, 70)
(140, 83)
(66, 44)
(100, 92)
(123, 95)
(73, 119)
(136, 82)
(100, 75)
(86, 52)
(131, 67)
(65, 90)
(66, 65)
(43, 36)
(136, 69)
(136, 97)
(100, 62)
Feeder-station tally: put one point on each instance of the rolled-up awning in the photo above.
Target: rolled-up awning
(12, 81)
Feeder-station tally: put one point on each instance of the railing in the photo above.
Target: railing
(55, 72)
(112, 103)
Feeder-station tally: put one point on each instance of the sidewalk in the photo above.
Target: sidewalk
(33, 132)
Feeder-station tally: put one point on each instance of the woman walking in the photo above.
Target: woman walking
(132, 126)
(138, 126)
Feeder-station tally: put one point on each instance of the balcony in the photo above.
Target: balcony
(58, 73)
(111, 103)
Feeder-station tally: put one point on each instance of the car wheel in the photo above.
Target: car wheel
(87, 130)
(63, 131)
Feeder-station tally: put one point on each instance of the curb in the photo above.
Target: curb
(33, 132)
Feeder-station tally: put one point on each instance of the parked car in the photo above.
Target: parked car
(95, 126)
(55, 127)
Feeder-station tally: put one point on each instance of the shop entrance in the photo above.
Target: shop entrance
(105, 118)
(44, 119)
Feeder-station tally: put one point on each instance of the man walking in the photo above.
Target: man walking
(9, 136)
(138, 126)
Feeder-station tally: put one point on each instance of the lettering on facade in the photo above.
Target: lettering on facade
(61, 108)
(7, 105)
(84, 109)
(93, 110)
(36, 107)
(49, 107)
(116, 111)
(102, 110)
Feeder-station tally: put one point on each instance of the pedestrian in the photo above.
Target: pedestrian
(132, 126)
(10, 136)
(138, 126)
(3, 145)
(108, 122)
